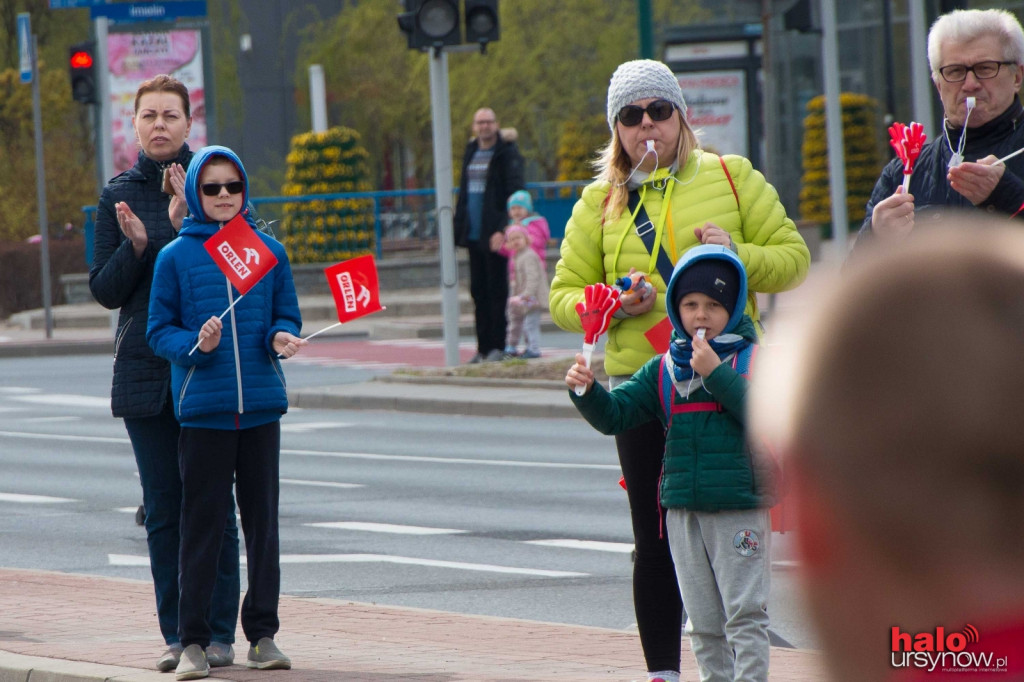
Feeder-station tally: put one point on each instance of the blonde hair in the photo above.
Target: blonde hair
(614, 165)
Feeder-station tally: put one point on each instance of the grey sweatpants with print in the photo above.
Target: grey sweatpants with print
(723, 562)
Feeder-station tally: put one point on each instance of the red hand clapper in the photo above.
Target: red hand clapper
(599, 303)
(907, 141)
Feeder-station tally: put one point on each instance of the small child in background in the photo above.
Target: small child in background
(528, 295)
(520, 212)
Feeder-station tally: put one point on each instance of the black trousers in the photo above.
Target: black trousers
(210, 460)
(656, 600)
(488, 285)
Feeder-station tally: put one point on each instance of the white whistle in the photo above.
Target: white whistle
(970, 102)
(701, 332)
(650, 143)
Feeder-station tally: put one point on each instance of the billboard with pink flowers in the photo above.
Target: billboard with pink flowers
(135, 57)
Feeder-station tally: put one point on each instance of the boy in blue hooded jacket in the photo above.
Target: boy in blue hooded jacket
(715, 491)
(229, 397)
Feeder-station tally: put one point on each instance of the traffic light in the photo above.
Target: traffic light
(431, 23)
(482, 22)
(83, 72)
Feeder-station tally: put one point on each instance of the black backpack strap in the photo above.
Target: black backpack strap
(646, 231)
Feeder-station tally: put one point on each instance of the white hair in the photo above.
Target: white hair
(965, 25)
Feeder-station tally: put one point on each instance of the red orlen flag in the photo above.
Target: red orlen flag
(240, 253)
(354, 285)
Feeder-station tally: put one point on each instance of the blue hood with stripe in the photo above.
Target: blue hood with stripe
(705, 252)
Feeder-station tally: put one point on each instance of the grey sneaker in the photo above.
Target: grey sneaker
(193, 664)
(169, 661)
(266, 656)
(219, 654)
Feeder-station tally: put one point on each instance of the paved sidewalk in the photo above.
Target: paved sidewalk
(58, 627)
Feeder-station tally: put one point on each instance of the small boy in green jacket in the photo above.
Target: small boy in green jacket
(715, 491)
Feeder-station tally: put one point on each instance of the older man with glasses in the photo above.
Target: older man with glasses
(976, 61)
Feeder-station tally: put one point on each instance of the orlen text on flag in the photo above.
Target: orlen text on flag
(355, 288)
(240, 254)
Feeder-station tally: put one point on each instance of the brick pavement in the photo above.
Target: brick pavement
(72, 622)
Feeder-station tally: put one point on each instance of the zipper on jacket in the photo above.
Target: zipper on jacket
(184, 385)
(234, 343)
(120, 336)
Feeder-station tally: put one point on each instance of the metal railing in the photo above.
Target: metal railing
(402, 219)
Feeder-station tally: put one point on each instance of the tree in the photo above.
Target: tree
(68, 155)
(551, 66)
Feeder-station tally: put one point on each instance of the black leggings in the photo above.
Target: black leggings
(659, 608)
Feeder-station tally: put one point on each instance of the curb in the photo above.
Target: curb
(20, 668)
(435, 398)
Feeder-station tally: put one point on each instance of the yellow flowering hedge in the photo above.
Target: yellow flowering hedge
(327, 230)
(863, 143)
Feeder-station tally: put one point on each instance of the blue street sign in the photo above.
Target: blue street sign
(25, 46)
(127, 13)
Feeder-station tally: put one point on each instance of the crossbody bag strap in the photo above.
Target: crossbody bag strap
(645, 230)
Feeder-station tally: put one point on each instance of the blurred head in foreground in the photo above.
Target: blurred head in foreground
(900, 418)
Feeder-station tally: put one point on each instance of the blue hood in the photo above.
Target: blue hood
(192, 194)
(704, 252)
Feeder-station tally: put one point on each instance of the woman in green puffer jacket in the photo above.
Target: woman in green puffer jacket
(686, 197)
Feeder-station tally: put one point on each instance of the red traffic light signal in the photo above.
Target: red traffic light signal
(81, 60)
(83, 72)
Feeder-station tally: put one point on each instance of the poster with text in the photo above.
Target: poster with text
(716, 103)
(136, 57)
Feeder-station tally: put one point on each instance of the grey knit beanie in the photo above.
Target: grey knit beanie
(641, 79)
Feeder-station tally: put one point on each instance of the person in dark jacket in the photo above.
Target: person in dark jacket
(134, 220)
(977, 65)
(716, 491)
(492, 169)
(229, 395)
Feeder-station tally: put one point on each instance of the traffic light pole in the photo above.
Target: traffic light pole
(44, 232)
(442, 129)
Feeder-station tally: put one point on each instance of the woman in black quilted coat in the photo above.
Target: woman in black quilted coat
(134, 220)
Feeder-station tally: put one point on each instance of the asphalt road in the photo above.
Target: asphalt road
(498, 516)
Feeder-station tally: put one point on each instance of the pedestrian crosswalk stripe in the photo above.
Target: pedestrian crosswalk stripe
(623, 547)
(385, 528)
(33, 499)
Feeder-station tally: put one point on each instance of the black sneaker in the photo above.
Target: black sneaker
(476, 359)
(494, 356)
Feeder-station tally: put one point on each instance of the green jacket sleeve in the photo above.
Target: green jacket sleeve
(630, 404)
(729, 388)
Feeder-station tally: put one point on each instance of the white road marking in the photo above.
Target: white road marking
(33, 499)
(386, 528)
(49, 420)
(127, 560)
(17, 390)
(450, 460)
(321, 484)
(54, 436)
(139, 561)
(303, 427)
(127, 510)
(65, 400)
(352, 455)
(622, 547)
